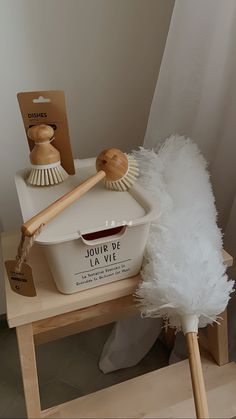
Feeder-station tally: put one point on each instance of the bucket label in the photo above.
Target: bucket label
(102, 261)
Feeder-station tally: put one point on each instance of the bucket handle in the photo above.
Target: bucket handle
(101, 236)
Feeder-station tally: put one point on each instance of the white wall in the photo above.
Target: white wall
(105, 54)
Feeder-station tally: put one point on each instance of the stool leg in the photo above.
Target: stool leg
(29, 370)
(218, 340)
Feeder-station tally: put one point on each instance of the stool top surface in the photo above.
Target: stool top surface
(49, 301)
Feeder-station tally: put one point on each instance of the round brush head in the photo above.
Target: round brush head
(121, 169)
(45, 159)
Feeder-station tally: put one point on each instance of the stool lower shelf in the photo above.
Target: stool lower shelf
(165, 393)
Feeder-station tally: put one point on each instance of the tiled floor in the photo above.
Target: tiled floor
(67, 369)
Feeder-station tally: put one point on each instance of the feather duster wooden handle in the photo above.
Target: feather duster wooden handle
(119, 170)
(190, 323)
(198, 385)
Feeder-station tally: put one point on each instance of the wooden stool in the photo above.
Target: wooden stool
(51, 315)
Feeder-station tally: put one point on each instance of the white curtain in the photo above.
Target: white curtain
(196, 92)
(195, 96)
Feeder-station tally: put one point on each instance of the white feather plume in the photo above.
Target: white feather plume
(183, 271)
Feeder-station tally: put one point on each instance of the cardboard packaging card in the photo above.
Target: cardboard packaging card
(48, 107)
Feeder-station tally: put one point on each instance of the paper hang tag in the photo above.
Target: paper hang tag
(21, 282)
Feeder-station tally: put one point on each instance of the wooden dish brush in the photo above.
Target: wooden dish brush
(45, 159)
(119, 170)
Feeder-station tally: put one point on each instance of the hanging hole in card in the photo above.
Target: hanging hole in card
(41, 99)
(21, 281)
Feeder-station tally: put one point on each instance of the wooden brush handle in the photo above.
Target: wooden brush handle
(199, 391)
(47, 214)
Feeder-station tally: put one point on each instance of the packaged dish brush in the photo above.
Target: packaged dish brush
(47, 109)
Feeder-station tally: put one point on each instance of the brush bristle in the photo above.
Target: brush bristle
(48, 176)
(127, 181)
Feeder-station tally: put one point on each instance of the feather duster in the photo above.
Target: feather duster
(184, 278)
